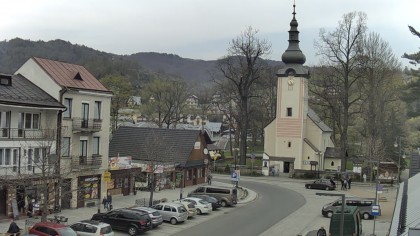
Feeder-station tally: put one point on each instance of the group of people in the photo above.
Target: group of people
(107, 202)
(345, 182)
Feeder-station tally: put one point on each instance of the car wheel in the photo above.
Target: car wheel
(174, 221)
(327, 188)
(132, 231)
(224, 203)
(309, 186)
(329, 214)
(199, 212)
(366, 216)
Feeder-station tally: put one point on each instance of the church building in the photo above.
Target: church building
(296, 139)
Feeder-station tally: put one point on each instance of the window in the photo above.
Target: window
(8, 156)
(83, 148)
(68, 104)
(289, 111)
(85, 115)
(97, 111)
(289, 144)
(30, 158)
(4, 123)
(96, 145)
(65, 147)
(31, 121)
(37, 155)
(332, 163)
(167, 208)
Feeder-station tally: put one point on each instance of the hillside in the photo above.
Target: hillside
(138, 67)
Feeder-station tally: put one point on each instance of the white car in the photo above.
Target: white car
(172, 212)
(202, 207)
(92, 228)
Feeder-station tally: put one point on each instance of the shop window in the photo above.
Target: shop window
(119, 183)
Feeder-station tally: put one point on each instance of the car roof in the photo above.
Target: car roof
(93, 222)
(146, 209)
(174, 204)
(51, 225)
(194, 198)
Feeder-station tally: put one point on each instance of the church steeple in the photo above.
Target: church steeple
(293, 54)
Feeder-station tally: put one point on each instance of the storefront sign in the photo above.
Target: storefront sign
(120, 163)
(197, 145)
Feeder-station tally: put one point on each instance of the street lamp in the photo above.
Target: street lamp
(398, 144)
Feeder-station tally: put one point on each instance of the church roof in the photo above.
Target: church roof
(315, 118)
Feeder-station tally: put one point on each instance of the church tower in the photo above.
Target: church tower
(292, 99)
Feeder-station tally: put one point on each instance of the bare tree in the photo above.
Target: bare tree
(241, 67)
(342, 53)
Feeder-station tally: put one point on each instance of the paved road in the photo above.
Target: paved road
(272, 205)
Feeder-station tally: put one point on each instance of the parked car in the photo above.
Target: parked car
(131, 221)
(226, 196)
(49, 228)
(92, 228)
(214, 203)
(172, 212)
(202, 206)
(153, 213)
(324, 184)
(192, 211)
(364, 204)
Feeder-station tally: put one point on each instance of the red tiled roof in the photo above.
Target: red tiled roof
(66, 75)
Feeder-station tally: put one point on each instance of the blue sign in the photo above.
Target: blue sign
(376, 210)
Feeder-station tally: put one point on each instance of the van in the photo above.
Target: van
(226, 196)
(364, 205)
(352, 222)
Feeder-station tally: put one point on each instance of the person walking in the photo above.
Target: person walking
(342, 184)
(364, 178)
(321, 232)
(104, 201)
(109, 202)
(13, 229)
(349, 182)
(209, 179)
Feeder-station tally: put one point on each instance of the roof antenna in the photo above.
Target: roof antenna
(294, 5)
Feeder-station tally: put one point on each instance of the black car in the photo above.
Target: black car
(324, 184)
(214, 203)
(133, 222)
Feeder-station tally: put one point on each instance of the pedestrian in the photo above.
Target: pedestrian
(13, 229)
(109, 201)
(345, 184)
(364, 178)
(321, 232)
(104, 201)
(30, 208)
(209, 179)
(349, 182)
(342, 184)
(332, 182)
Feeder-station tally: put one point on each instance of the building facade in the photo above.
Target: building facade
(84, 129)
(28, 141)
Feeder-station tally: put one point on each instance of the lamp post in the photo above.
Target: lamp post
(398, 144)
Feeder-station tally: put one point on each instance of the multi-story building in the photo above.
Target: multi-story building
(84, 129)
(28, 135)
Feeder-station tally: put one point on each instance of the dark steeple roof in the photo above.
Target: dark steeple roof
(293, 56)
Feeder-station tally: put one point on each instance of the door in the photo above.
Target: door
(286, 167)
(85, 115)
(66, 194)
(3, 206)
(126, 186)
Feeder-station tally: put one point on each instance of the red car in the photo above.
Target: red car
(48, 229)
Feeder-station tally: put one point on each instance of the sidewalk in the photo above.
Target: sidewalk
(120, 201)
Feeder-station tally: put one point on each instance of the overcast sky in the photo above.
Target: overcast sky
(200, 29)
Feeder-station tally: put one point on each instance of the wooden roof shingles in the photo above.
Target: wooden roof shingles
(23, 92)
(153, 144)
(70, 75)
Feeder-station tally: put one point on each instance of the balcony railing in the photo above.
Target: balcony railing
(26, 171)
(17, 133)
(87, 125)
(83, 162)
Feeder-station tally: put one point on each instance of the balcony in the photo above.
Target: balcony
(86, 125)
(18, 133)
(79, 163)
(26, 172)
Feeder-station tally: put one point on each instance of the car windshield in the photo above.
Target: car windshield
(67, 232)
(156, 213)
(106, 230)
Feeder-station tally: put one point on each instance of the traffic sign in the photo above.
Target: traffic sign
(376, 209)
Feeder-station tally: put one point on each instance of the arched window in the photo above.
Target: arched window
(332, 163)
(309, 158)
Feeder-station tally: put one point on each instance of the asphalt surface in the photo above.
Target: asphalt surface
(271, 206)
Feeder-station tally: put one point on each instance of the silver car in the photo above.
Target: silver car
(92, 228)
(153, 213)
(172, 212)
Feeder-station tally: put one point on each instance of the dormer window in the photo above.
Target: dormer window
(6, 80)
(78, 76)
